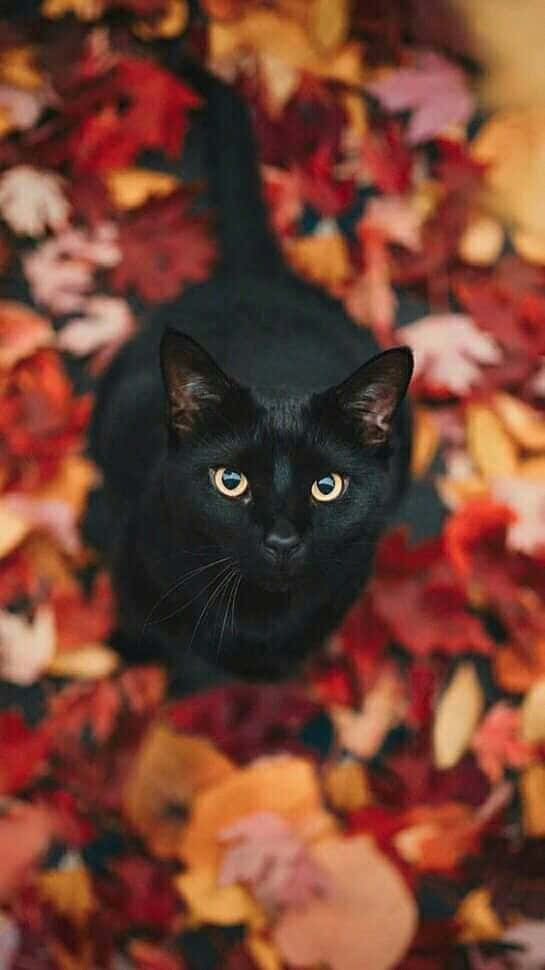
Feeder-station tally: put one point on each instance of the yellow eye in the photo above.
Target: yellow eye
(230, 482)
(328, 487)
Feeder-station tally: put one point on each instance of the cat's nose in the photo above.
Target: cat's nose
(282, 538)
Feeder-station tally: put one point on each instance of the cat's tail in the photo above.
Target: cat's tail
(247, 241)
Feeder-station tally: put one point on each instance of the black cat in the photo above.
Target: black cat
(248, 477)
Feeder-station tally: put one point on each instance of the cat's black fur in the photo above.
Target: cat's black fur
(285, 415)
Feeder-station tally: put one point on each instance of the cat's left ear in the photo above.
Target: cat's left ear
(194, 383)
(371, 396)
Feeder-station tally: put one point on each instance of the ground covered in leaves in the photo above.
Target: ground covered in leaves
(388, 809)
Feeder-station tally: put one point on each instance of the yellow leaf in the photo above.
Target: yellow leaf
(524, 423)
(17, 68)
(131, 187)
(482, 241)
(263, 953)
(322, 258)
(281, 81)
(425, 442)
(165, 776)
(84, 663)
(476, 918)
(84, 9)
(281, 783)
(223, 905)
(491, 448)
(458, 491)
(326, 22)
(269, 32)
(49, 563)
(532, 789)
(456, 717)
(69, 891)
(346, 786)
(530, 247)
(13, 530)
(533, 713)
(532, 467)
(170, 24)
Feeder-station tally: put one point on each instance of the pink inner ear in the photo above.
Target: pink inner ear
(375, 410)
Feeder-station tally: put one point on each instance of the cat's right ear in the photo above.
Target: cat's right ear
(194, 383)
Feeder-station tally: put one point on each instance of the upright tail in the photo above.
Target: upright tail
(247, 241)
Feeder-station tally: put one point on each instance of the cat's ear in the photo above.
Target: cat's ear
(193, 381)
(371, 396)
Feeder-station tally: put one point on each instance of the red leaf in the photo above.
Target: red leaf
(84, 619)
(23, 751)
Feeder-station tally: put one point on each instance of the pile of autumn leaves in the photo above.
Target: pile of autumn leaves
(388, 811)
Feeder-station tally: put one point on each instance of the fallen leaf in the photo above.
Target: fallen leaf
(384, 706)
(23, 107)
(346, 785)
(26, 648)
(425, 441)
(435, 90)
(13, 529)
(527, 500)
(132, 187)
(210, 902)
(482, 241)
(32, 201)
(84, 9)
(264, 954)
(370, 299)
(397, 218)
(450, 352)
(157, 797)
(490, 447)
(476, 918)
(368, 920)
(82, 619)
(532, 714)
(106, 325)
(25, 833)
(23, 752)
(171, 23)
(146, 956)
(84, 663)
(282, 784)
(524, 423)
(528, 934)
(52, 515)
(10, 939)
(18, 67)
(456, 717)
(500, 741)
(22, 331)
(437, 838)
(70, 891)
(266, 854)
(516, 670)
(532, 792)
(322, 257)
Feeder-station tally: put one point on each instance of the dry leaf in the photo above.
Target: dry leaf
(322, 257)
(368, 921)
(526, 498)
(346, 786)
(490, 447)
(482, 241)
(32, 201)
(164, 778)
(476, 918)
(22, 332)
(362, 732)
(268, 32)
(70, 892)
(457, 716)
(131, 187)
(533, 713)
(425, 441)
(282, 784)
(210, 903)
(84, 663)
(26, 648)
(524, 423)
(532, 791)
(450, 351)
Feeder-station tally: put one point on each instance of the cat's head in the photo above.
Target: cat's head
(283, 487)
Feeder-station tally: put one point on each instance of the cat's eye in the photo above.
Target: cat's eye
(328, 487)
(230, 482)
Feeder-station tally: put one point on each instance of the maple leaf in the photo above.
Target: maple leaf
(52, 515)
(26, 648)
(434, 90)
(32, 201)
(24, 107)
(527, 500)
(60, 271)
(397, 218)
(22, 331)
(84, 619)
(23, 751)
(363, 731)
(174, 245)
(385, 160)
(449, 352)
(283, 194)
(267, 855)
(105, 326)
(498, 742)
(371, 300)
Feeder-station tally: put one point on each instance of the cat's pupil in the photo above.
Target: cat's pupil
(231, 479)
(326, 484)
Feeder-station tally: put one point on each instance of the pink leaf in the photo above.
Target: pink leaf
(25, 833)
(527, 499)
(107, 323)
(498, 743)
(270, 858)
(449, 351)
(434, 89)
(397, 218)
(24, 107)
(32, 201)
(55, 516)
